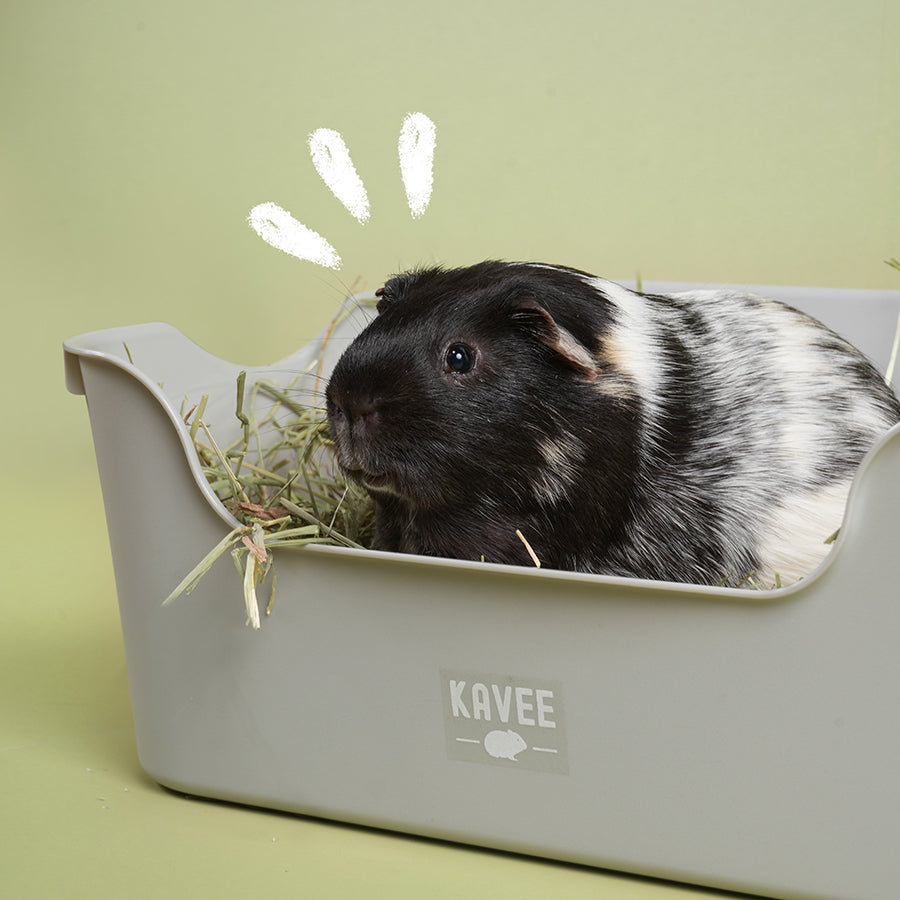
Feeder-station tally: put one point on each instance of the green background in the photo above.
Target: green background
(706, 140)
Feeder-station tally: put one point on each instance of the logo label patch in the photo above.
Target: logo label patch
(504, 720)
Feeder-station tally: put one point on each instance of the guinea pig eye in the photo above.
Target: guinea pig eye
(460, 359)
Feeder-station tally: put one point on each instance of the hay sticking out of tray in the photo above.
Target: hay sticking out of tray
(279, 479)
(280, 471)
(281, 482)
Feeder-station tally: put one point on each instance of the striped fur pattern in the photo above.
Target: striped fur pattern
(700, 437)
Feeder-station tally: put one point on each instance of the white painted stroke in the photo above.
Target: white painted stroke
(416, 147)
(278, 228)
(332, 160)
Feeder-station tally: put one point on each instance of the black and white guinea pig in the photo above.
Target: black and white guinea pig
(698, 437)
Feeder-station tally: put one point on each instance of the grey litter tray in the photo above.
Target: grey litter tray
(730, 738)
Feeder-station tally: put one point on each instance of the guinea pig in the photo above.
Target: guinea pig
(703, 437)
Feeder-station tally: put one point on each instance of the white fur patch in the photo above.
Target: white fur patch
(632, 345)
(793, 543)
(561, 457)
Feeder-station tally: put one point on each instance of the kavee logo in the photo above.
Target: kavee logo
(504, 720)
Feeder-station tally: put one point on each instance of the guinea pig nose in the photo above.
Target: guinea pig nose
(364, 411)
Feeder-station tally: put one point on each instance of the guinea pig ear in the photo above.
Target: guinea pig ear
(385, 297)
(394, 289)
(391, 292)
(557, 338)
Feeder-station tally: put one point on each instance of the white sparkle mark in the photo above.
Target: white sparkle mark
(277, 227)
(416, 146)
(332, 160)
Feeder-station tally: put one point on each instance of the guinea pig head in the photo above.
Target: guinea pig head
(463, 386)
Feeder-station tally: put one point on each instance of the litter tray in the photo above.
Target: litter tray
(724, 737)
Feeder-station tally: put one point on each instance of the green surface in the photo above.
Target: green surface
(703, 140)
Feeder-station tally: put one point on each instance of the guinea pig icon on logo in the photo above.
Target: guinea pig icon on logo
(504, 744)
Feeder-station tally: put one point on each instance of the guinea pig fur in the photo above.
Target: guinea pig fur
(700, 437)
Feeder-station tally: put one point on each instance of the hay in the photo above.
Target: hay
(279, 479)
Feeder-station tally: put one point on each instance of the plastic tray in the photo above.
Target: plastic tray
(739, 739)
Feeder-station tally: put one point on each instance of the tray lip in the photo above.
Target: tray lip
(638, 586)
(75, 347)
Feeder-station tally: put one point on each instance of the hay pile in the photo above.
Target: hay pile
(280, 480)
